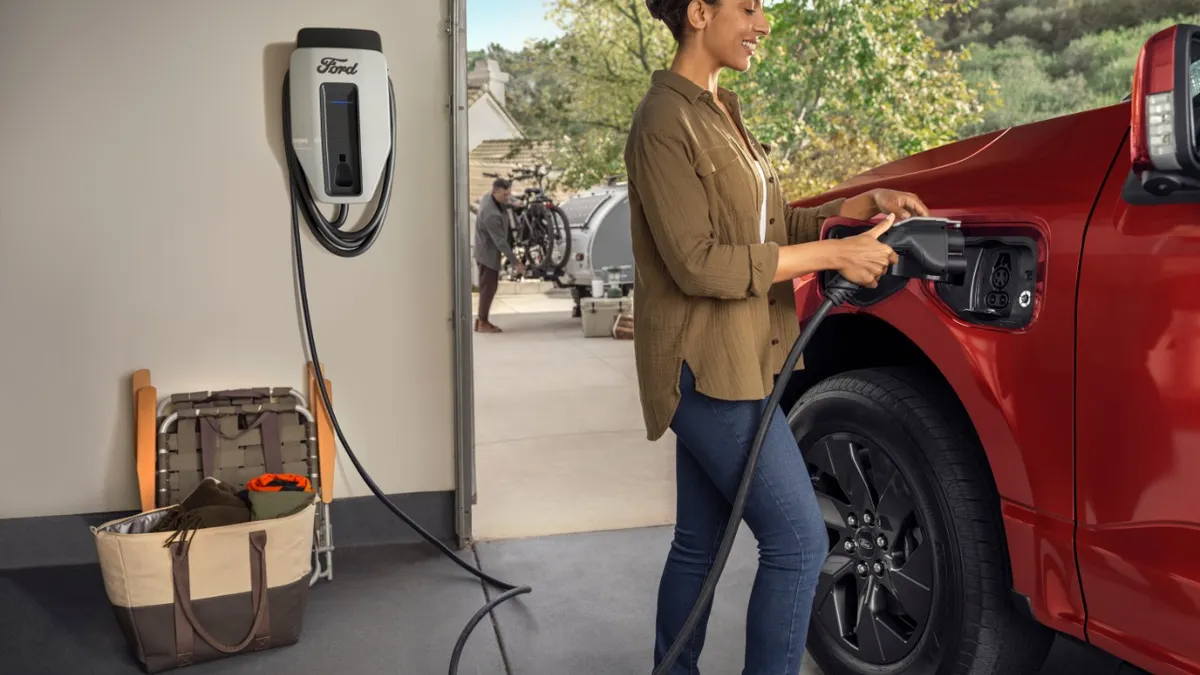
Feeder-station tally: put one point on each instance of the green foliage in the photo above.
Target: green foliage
(844, 86)
(840, 85)
(1030, 82)
(1049, 24)
(538, 92)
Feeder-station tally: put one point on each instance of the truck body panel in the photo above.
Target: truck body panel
(1085, 399)
(1017, 386)
(1138, 421)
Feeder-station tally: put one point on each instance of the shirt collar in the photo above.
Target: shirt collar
(692, 91)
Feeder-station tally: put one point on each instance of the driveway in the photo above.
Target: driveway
(560, 443)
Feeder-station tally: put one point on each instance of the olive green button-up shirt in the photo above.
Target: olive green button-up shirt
(703, 286)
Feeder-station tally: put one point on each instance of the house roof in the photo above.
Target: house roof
(481, 95)
(492, 156)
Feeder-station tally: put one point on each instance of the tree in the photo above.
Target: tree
(1033, 83)
(843, 86)
(1049, 25)
(605, 56)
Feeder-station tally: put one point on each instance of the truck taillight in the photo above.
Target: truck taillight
(1164, 135)
(1152, 141)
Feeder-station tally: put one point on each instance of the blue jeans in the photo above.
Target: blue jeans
(713, 439)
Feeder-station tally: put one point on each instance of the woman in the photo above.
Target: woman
(716, 247)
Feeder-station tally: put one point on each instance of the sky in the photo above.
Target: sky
(506, 22)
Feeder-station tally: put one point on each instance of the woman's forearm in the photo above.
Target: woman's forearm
(798, 260)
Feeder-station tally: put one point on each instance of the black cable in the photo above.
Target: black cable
(353, 244)
(836, 293)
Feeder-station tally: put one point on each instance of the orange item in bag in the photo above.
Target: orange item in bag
(279, 482)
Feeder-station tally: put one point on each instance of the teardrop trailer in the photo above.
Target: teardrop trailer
(600, 240)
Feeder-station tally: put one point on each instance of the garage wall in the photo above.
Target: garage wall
(144, 223)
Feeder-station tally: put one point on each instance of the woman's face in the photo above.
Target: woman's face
(730, 30)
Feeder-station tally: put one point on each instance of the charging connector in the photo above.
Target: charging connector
(928, 248)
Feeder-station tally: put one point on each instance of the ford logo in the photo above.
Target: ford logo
(864, 542)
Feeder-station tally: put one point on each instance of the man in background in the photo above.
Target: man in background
(491, 239)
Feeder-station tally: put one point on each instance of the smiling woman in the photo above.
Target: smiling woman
(716, 246)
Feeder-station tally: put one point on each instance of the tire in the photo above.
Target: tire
(557, 225)
(937, 508)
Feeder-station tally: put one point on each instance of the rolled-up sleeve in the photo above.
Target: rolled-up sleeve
(804, 223)
(673, 198)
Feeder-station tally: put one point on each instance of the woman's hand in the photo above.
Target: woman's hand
(903, 205)
(862, 259)
(867, 205)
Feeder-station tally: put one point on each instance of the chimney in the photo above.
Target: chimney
(487, 74)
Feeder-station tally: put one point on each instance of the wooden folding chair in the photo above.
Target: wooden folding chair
(234, 436)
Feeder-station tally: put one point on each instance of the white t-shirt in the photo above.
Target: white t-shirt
(762, 210)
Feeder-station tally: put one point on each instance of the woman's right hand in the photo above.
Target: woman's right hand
(862, 259)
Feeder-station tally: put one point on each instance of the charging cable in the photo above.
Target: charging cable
(353, 244)
(843, 290)
(927, 249)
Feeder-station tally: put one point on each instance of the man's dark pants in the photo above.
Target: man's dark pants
(489, 282)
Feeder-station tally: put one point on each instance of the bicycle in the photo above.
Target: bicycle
(538, 229)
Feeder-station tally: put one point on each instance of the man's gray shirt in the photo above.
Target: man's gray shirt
(491, 233)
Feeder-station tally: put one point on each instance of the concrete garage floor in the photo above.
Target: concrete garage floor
(560, 443)
(561, 449)
(399, 609)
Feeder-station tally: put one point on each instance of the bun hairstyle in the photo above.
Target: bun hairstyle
(673, 13)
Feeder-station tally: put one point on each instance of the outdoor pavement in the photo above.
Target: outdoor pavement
(560, 442)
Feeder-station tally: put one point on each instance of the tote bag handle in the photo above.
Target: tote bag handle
(185, 618)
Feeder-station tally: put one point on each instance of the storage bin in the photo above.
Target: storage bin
(599, 314)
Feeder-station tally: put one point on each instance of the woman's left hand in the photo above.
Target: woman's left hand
(902, 204)
(867, 205)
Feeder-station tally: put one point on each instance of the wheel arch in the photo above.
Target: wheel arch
(858, 340)
(855, 340)
(849, 341)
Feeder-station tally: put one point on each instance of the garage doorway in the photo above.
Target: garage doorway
(557, 441)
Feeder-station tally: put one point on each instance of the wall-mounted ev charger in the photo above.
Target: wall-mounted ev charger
(339, 120)
(339, 126)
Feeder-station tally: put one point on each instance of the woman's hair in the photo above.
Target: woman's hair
(673, 13)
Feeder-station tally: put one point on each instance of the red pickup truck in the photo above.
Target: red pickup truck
(1018, 457)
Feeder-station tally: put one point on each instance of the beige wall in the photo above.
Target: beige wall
(144, 224)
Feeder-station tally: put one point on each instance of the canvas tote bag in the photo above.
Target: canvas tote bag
(218, 592)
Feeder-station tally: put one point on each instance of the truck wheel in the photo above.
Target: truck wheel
(916, 580)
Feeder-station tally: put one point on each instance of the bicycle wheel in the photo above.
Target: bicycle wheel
(557, 234)
(528, 243)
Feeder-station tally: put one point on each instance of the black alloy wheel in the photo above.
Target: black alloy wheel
(876, 588)
(915, 580)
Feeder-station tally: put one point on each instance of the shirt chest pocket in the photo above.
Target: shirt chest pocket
(733, 192)
(712, 163)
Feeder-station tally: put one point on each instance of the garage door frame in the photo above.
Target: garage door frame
(465, 489)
